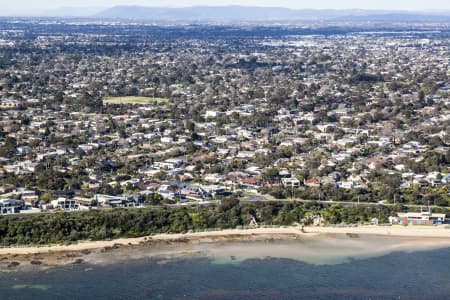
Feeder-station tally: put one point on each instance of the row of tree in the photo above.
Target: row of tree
(110, 224)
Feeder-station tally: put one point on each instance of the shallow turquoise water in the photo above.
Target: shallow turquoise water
(417, 275)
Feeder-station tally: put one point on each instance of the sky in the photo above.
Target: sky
(43, 5)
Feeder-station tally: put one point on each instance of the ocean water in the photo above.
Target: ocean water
(397, 275)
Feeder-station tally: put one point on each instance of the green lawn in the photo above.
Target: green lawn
(134, 100)
(245, 198)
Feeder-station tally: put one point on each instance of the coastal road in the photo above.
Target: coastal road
(266, 198)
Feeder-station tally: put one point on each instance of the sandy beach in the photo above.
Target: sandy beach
(309, 244)
(441, 232)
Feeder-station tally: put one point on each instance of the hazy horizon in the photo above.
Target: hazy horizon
(21, 7)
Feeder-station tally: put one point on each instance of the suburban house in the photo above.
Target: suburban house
(11, 206)
(290, 182)
(250, 182)
(9, 104)
(65, 204)
(169, 164)
(116, 201)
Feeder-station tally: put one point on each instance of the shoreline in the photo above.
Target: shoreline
(237, 234)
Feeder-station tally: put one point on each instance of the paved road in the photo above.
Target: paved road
(264, 198)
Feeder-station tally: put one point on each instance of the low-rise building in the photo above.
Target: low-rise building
(420, 218)
(11, 206)
(290, 182)
(65, 204)
(116, 201)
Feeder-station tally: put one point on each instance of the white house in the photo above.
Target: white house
(65, 204)
(290, 182)
(11, 206)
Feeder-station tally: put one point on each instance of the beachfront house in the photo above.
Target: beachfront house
(420, 218)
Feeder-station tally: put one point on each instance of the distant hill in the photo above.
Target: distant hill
(229, 13)
(396, 17)
(73, 12)
(246, 13)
